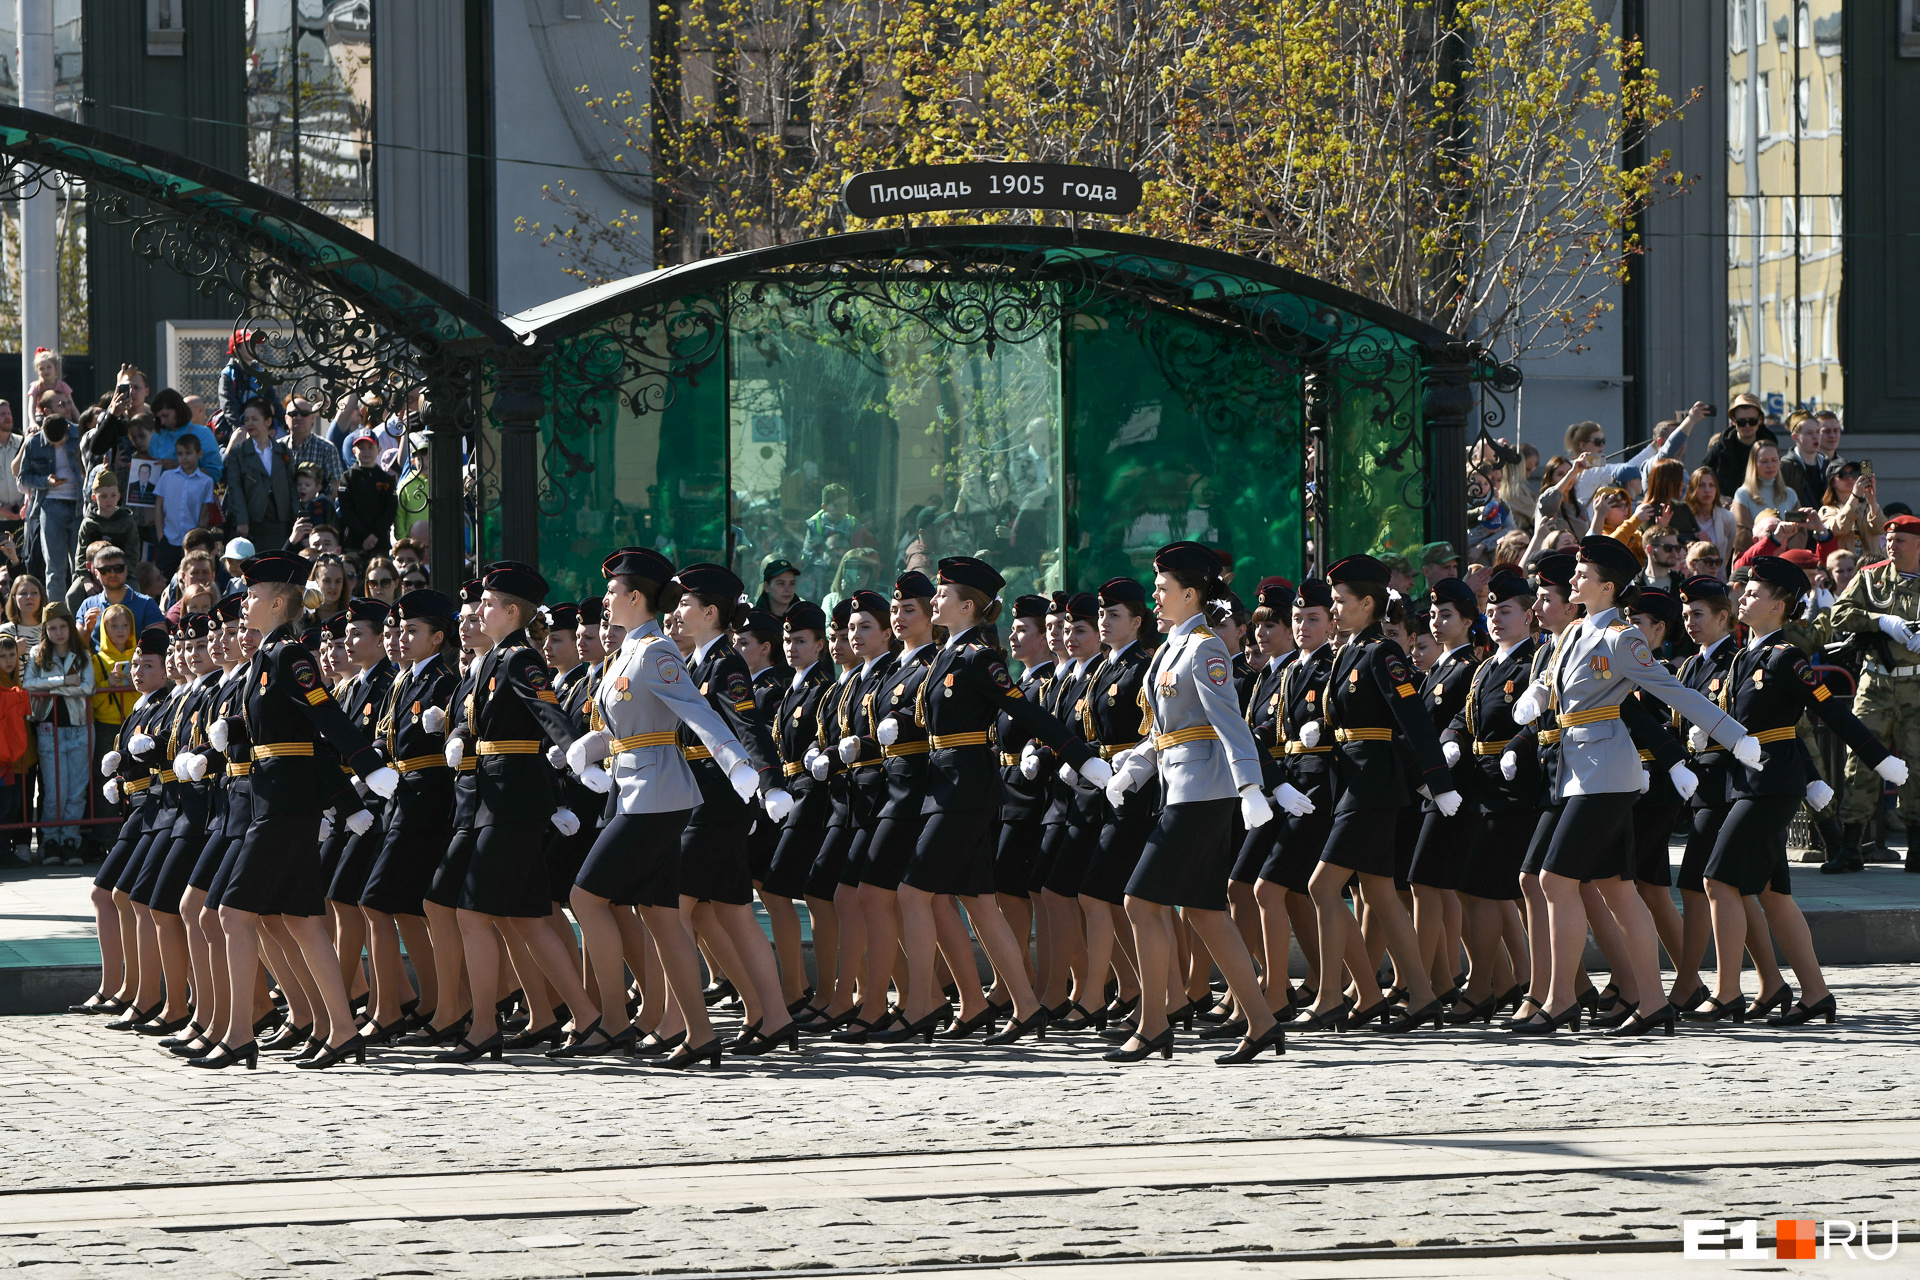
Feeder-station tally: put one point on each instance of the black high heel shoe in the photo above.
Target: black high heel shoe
(1548, 1023)
(1222, 1012)
(721, 990)
(1232, 1029)
(1692, 1001)
(315, 1046)
(1334, 1019)
(800, 1006)
(1482, 1012)
(354, 1047)
(504, 1006)
(1379, 1012)
(927, 1027)
(1086, 1022)
(1247, 1050)
(574, 1046)
(267, 1022)
(1433, 1011)
(198, 1047)
(468, 1051)
(1036, 1026)
(747, 1033)
(1781, 999)
(984, 1020)
(290, 1039)
(1302, 996)
(682, 1058)
(549, 1034)
(98, 1002)
(1118, 1009)
(1734, 1010)
(222, 1057)
(1161, 1044)
(454, 1031)
(759, 1044)
(1802, 1013)
(1639, 1026)
(377, 1036)
(653, 1047)
(1621, 1014)
(133, 1018)
(1515, 995)
(193, 1031)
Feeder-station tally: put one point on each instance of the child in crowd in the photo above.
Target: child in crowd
(179, 496)
(368, 501)
(60, 676)
(16, 750)
(109, 520)
(46, 376)
(308, 504)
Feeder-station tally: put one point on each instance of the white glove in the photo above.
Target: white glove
(1117, 789)
(360, 822)
(139, 744)
(1646, 781)
(1685, 781)
(179, 765)
(217, 735)
(1448, 803)
(191, 767)
(589, 749)
(1913, 641)
(1030, 761)
(456, 748)
(1697, 739)
(812, 754)
(1747, 751)
(434, 720)
(1896, 630)
(1295, 802)
(359, 787)
(326, 825)
(596, 779)
(383, 782)
(1067, 773)
(820, 766)
(111, 791)
(1527, 708)
(1450, 751)
(1254, 809)
(110, 762)
(565, 821)
(1310, 734)
(557, 758)
(888, 732)
(1893, 769)
(1509, 765)
(849, 749)
(1096, 771)
(1819, 795)
(779, 803)
(745, 779)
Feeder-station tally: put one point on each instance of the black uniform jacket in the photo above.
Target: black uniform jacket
(1484, 728)
(1022, 799)
(964, 694)
(424, 800)
(512, 714)
(905, 761)
(1110, 712)
(794, 717)
(1370, 696)
(287, 715)
(1708, 675)
(1444, 691)
(1302, 696)
(722, 676)
(1768, 687)
(1263, 717)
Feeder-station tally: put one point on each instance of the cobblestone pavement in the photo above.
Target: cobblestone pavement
(85, 1107)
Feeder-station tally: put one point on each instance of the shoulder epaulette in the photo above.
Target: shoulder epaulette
(1877, 564)
(1618, 626)
(1207, 632)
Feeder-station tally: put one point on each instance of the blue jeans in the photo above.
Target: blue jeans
(59, 530)
(63, 785)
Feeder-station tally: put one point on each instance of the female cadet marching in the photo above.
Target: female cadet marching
(965, 690)
(1769, 687)
(1205, 756)
(646, 697)
(795, 721)
(1023, 800)
(276, 870)
(835, 974)
(1441, 847)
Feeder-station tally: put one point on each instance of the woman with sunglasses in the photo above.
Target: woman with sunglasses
(383, 580)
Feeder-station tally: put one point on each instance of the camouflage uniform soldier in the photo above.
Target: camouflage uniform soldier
(1882, 605)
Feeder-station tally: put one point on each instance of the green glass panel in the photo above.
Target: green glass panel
(1180, 429)
(1376, 467)
(863, 444)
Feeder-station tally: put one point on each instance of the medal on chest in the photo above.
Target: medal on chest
(621, 693)
(1760, 678)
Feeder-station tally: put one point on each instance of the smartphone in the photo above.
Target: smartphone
(1866, 466)
(1712, 412)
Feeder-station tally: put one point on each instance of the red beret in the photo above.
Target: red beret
(1903, 524)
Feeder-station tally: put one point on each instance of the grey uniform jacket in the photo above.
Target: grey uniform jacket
(646, 689)
(1595, 664)
(1198, 741)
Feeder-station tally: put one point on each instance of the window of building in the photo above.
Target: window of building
(1833, 100)
(1737, 26)
(310, 104)
(1763, 103)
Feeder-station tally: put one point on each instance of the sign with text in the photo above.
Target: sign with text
(928, 188)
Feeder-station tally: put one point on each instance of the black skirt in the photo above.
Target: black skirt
(794, 854)
(713, 861)
(1187, 856)
(565, 855)
(635, 862)
(355, 863)
(403, 870)
(1018, 847)
(1750, 852)
(443, 889)
(1116, 852)
(1255, 848)
(1297, 846)
(1495, 853)
(1362, 840)
(276, 870)
(1440, 852)
(855, 865)
(183, 854)
(1543, 828)
(955, 853)
(1594, 840)
(761, 845)
(115, 863)
(1700, 841)
(824, 876)
(890, 851)
(507, 874)
(1072, 855)
(1406, 837)
(1653, 820)
(142, 875)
